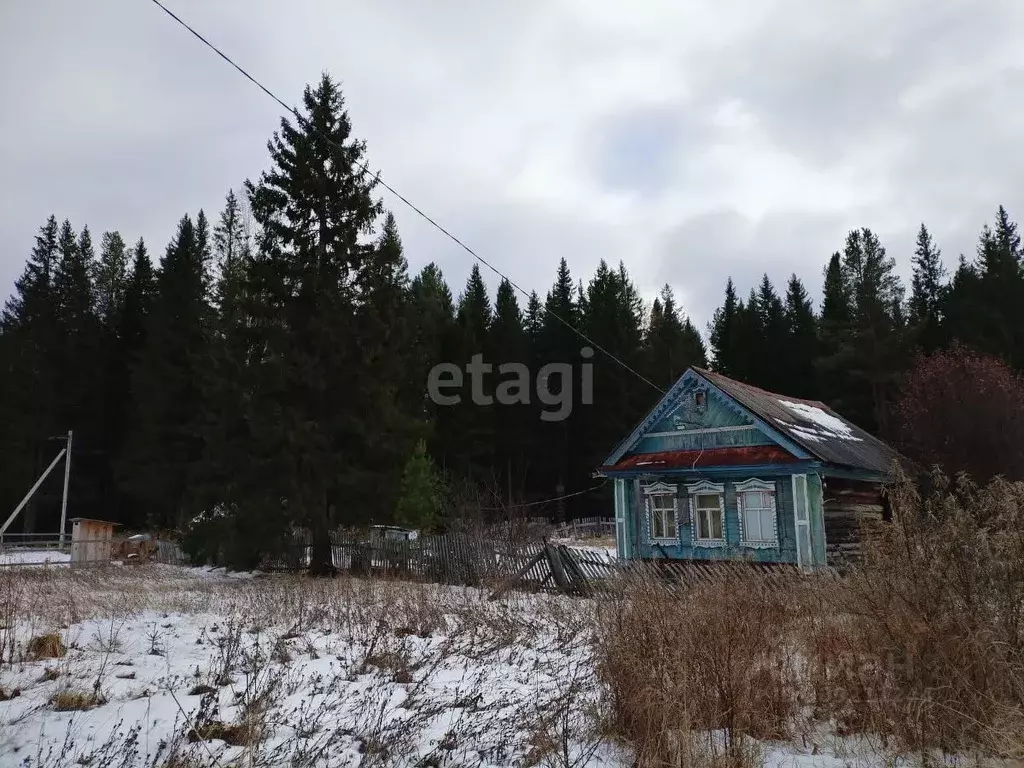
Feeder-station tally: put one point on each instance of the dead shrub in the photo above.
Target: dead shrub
(922, 643)
(235, 735)
(683, 662)
(48, 646)
(69, 700)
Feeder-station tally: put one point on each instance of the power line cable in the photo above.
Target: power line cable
(397, 194)
(547, 501)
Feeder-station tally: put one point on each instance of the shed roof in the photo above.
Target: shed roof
(93, 520)
(811, 424)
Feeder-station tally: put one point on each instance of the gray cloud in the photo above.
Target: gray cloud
(694, 141)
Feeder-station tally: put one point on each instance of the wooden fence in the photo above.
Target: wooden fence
(587, 527)
(485, 559)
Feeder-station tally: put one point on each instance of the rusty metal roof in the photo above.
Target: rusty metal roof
(711, 457)
(812, 425)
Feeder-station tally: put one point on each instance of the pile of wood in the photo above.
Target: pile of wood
(134, 549)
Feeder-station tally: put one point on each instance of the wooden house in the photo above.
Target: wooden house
(722, 470)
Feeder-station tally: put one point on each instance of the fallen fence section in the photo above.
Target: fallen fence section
(500, 565)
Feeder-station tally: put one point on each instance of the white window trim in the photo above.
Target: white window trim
(705, 486)
(758, 485)
(661, 489)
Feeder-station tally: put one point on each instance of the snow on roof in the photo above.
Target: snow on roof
(823, 425)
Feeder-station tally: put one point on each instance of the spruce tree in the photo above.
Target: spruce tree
(129, 339)
(834, 333)
(770, 354)
(557, 343)
(110, 286)
(875, 351)
(164, 444)
(30, 375)
(78, 360)
(111, 276)
(926, 290)
(671, 343)
(533, 320)
(747, 341)
(802, 341)
(324, 289)
(435, 340)
(511, 423)
(962, 311)
(1000, 291)
(474, 418)
(614, 320)
(383, 331)
(723, 331)
(418, 504)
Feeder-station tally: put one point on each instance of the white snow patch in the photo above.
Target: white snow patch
(823, 425)
(17, 556)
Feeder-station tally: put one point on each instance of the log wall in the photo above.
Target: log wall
(850, 507)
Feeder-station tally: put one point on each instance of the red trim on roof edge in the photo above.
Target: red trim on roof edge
(712, 457)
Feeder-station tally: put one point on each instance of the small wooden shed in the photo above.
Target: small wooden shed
(91, 541)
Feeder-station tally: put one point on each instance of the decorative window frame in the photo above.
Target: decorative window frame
(706, 486)
(755, 484)
(661, 489)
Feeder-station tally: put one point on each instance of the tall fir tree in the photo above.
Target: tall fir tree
(164, 444)
(614, 320)
(111, 277)
(473, 416)
(769, 356)
(671, 343)
(318, 403)
(874, 351)
(139, 294)
(512, 423)
(1000, 291)
(926, 293)
(557, 343)
(30, 335)
(802, 341)
(435, 340)
(834, 332)
(79, 361)
(746, 352)
(723, 331)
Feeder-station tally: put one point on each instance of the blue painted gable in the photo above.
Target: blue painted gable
(696, 415)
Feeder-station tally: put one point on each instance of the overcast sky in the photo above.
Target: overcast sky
(692, 140)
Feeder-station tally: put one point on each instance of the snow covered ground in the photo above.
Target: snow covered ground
(288, 671)
(18, 556)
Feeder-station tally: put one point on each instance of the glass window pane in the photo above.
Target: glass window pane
(707, 501)
(752, 523)
(716, 526)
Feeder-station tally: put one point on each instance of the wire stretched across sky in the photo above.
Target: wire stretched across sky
(408, 203)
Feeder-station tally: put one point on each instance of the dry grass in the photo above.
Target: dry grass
(69, 700)
(919, 649)
(923, 644)
(48, 646)
(691, 676)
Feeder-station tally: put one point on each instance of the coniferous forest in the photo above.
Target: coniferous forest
(269, 365)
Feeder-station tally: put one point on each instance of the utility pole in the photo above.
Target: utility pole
(67, 479)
